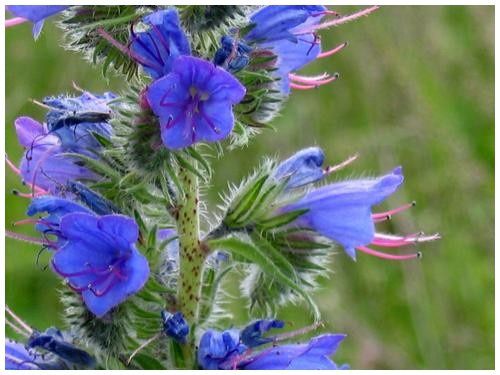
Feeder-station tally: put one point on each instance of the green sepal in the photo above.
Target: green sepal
(280, 220)
(243, 204)
(259, 258)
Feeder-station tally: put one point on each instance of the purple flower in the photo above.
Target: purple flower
(56, 208)
(17, 357)
(232, 349)
(218, 350)
(342, 212)
(158, 47)
(36, 14)
(278, 22)
(43, 166)
(175, 325)
(313, 355)
(194, 102)
(302, 168)
(277, 28)
(53, 341)
(290, 32)
(75, 119)
(100, 260)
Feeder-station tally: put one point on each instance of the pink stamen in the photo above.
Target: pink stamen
(28, 195)
(339, 21)
(18, 320)
(385, 240)
(331, 12)
(297, 332)
(333, 51)
(310, 82)
(381, 216)
(345, 163)
(15, 169)
(26, 221)
(15, 21)
(100, 293)
(301, 87)
(314, 80)
(28, 239)
(16, 328)
(382, 255)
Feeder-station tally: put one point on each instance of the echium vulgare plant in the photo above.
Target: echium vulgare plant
(115, 184)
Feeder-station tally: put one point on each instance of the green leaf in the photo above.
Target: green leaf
(147, 362)
(259, 258)
(279, 259)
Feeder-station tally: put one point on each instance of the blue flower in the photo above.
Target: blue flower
(53, 341)
(302, 168)
(36, 14)
(44, 167)
(158, 47)
(277, 28)
(278, 22)
(342, 211)
(233, 55)
(74, 119)
(17, 357)
(218, 350)
(194, 102)
(56, 208)
(175, 326)
(313, 355)
(100, 260)
(251, 335)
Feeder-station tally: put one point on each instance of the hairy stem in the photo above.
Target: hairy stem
(191, 257)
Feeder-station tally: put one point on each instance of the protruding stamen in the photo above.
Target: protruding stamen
(28, 239)
(382, 255)
(297, 332)
(11, 165)
(310, 78)
(27, 195)
(316, 80)
(40, 104)
(333, 51)
(18, 320)
(142, 346)
(301, 87)
(386, 240)
(26, 221)
(16, 328)
(15, 21)
(345, 163)
(339, 21)
(387, 214)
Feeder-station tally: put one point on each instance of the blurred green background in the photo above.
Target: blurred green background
(416, 90)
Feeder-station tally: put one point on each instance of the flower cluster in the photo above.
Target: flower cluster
(113, 183)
